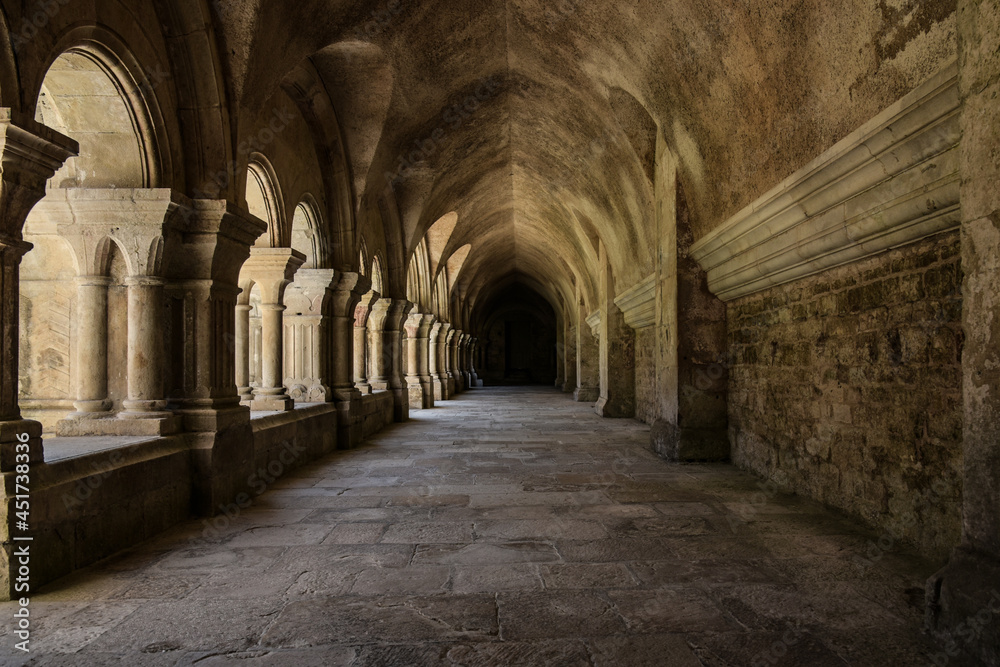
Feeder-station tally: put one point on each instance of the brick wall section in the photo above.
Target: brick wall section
(846, 387)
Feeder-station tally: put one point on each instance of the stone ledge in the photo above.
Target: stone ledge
(638, 304)
(893, 181)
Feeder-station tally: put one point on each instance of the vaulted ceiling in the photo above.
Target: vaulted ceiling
(537, 121)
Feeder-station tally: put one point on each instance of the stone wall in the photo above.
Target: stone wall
(846, 386)
(646, 400)
(376, 413)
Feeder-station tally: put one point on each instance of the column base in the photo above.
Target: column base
(427, 391)
(415, 394)
(963, 608)
(586, 394)
(441, 390)
(280, 403)
(688, 445)
(135, 424)
(364, 387)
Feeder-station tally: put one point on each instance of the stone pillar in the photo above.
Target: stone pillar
(307, 335)
(416, 326)
(146, 393)
(439, 374)
(560, 355)
(465, 360)
(473, 362)
(569, 358)
(271, 270)
(30, 154)
(691, 420)
(617, 351)
(202, 288)
(361, 313)
(457, 381)
(423, 360)
(91, 368)
(387, 320)
(587, 362)
(242, 343)
(345, 298)
(964, 597)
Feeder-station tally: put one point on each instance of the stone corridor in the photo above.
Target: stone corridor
(511, 526)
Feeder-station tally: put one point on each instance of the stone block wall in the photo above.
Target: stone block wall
(376, 413)
(846, 386)
(87, 508)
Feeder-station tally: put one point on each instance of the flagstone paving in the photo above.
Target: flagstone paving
(510, 526)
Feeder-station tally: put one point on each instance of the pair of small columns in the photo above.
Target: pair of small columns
(438, 343)
(361, 314)
(91, 220)
(271, 270)
(386, 322)
(146, 399)
(418, 378)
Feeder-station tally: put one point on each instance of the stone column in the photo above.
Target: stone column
(454, 337)
(242, 344)
(439, 375)
(30, 154)
(473, 362)
(423, 360)
(361, 313)
(587, 358)
(271, 270)
(560, 355)
(307, 335)
(569, 352)
(964, 597)
(464, 360)
(387, 320)
(146, 396)
(202, 289)
(617, 351)
(414, 388)
(91, 368)
(345, 298)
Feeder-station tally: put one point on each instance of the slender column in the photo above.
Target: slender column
(271, 269)
(473, 362)
(361, 313)
(308, 339)
(423, 360)
(587, 390)
(91, 368)
(441, 379)
(569, 351)
(464, 366)
(345, 298)
(146, 399)
(414, 389)
(392, 349)
(617, 351)
(242, 344)
(453, 337)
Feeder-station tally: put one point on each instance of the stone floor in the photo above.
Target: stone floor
(507, 527)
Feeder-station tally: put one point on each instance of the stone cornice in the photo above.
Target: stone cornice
(594, 322)
(893, 181)
(638, 303)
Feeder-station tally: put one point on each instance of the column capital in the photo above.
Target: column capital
(349, 290)
(136, 219)
(364, 307)
(271, 269)
(30, 154)
(389, 314)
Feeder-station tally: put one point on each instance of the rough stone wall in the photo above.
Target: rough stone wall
(846, 386)
(646, 401)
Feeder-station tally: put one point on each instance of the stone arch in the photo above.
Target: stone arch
(264, 200)
(94, 91)
(378, 274)
(307, 233)
(10, 89)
